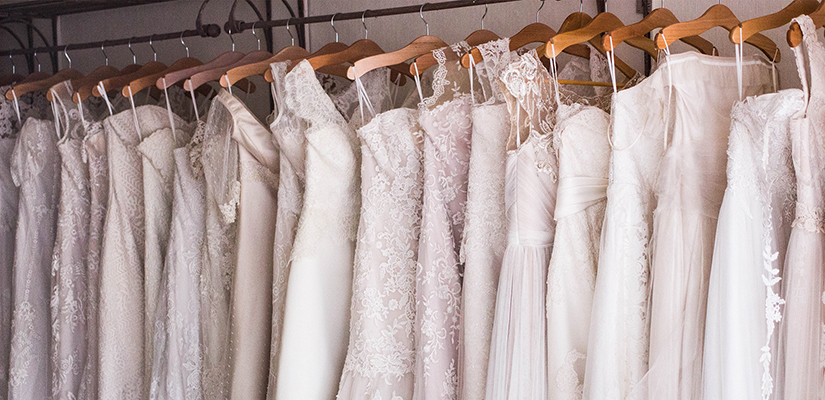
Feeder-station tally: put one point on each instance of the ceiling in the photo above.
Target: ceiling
(52, 8)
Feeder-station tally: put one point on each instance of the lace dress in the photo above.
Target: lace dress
(617, 356)
(158, 176)
(98, 165)
(122, 294)
(69, 302)
(446, 120)
(690, 188)
(220, 170)
(749, 252)
(517, 367)
(485, 236)
(35, 169)
(803, 332)
(380, 358)
(251, 305)
(177, 365)
(320, 278)
(288, 133)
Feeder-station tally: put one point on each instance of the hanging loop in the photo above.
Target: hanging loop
(332, 23)
(421, 14)
(537, 11)
(154, 52)
(13, 67)
(256, 36)
(134, 57)
(65, 53)
(184, 44)
(364, 24)
(232, 38)
(289, 31)
(38, 61)
(106, 56)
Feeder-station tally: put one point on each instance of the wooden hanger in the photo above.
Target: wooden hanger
(421, 45)
(748, 28)
(358, 50)
(329, 48)
(124, 79)
(717, 15)
(10, 79)
(83, 87)
(47, 83)
(794, 35)
(602, 23)
(217, 73)
(236, 74)
(658, 18)
(151, 80)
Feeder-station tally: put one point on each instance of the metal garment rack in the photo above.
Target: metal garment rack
(214, 30)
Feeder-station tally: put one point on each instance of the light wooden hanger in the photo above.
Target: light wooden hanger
(36, 75)
(658, 18)
(717, 15)
(534, 33)
(602, 23)
(45, 84)
(218, 73)
(421, 45)
(118, 82)
(83, 86)
(13, 77)
(474, 39)
(151, 80)
(794, 35)
(239, 73)
(748, 28)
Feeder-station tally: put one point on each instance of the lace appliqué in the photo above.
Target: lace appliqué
(810, 219)
(567, 379)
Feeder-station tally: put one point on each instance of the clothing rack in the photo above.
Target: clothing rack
(213, 30)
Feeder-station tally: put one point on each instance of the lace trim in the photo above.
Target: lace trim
(810, 219)
(252, 171)
(229, 209)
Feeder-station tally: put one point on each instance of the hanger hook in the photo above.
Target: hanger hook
(134, 57)
(581, 5)
(232, 38)
(13, 67)
(332, 23)
(537, 11)
(184, 44)
(289, 31)
(65, 53)
(256, 36)
(154, 52)
(366, 31)
(421, 14)
(38, 61)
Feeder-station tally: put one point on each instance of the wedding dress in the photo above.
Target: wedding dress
(617, 356)
(251, 305)
(177, 365)
(380, 357)
(69, 301)
(518, 350)
(122, 294)
(219, 160)
(485, 237)
(320, 277)
(35, 169)
(803, 331)
(156, 153)
(288, 133)
(751, 238)
(445, 117)
(689, 189)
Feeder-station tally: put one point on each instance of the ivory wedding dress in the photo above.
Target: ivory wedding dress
(485, 236)
(35, 169)
(380, 357)
(803, 332)
(690, 188)
(69, 300)
(518, 350)
(320, 277)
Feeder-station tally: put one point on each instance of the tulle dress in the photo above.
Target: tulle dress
(803, 332)
(518, 350)
(380, 356)
(751, 239)
(690, 188)
(485, 234)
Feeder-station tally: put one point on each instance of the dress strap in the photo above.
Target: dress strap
(805, 24)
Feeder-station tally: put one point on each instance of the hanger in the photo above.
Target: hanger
(124, 79)
(329, 48)
(238, 73)
(69, 71)
(421, 45)
(218, 73)
(474, 39)
(794, 35)
(13, 77)
(36, 75)
(223, 59)
(752, 26)
(150, 80)
(604, 22)
(44, 84)
(536, 32)
(717, 15)
(83, 86)
(658, 18)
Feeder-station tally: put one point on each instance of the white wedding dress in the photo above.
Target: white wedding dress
(690, 188)
(802, 361)
(316, 315)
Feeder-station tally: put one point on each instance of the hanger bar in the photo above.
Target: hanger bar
(212, 30)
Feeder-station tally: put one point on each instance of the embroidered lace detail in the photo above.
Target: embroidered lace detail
(810, 219)
(195, 149)
(497, 56)
(567, 379)
(256, 172)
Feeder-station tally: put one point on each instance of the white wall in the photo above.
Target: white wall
(390, 32)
